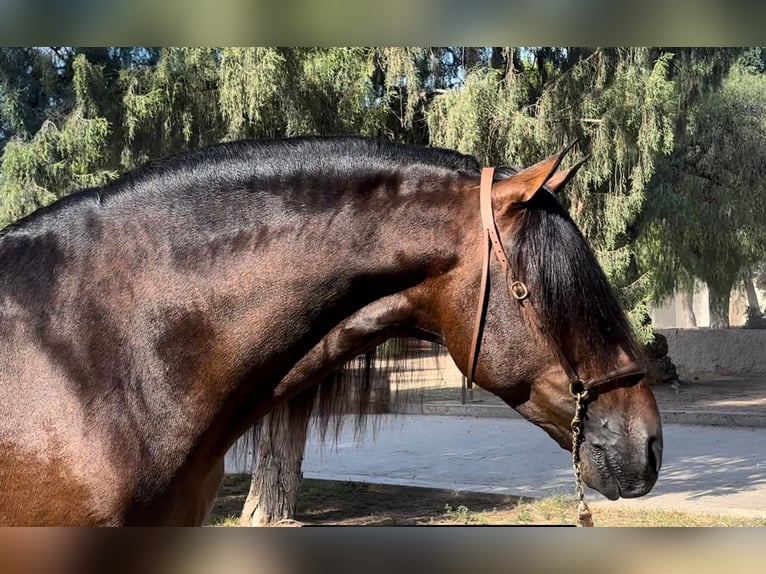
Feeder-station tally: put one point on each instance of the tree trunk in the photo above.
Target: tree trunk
(277, 459)
(752, 296)
(718, 301)
(688, 319)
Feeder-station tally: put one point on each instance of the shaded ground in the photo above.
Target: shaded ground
(324, 502)
(715, 393)
(335, 502)
(429, 381)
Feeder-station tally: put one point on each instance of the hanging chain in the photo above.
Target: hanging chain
(583, 512)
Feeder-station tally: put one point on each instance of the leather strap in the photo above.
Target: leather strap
(631, 369)
(488, 217)
(490, 238)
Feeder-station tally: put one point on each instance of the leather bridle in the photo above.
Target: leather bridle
(520, 292)
(581, 390)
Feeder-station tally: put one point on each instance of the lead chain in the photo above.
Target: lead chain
(583, 511)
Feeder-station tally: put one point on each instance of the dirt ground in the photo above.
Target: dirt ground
(325, 502)
(332, 503)
(715, 393)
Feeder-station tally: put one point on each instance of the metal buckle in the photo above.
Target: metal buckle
(519, 290)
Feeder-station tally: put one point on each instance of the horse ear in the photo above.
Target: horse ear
(558, 180)
(521, 186)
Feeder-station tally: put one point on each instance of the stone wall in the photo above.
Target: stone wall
(717, 351)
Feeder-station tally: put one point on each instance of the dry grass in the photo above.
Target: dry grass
(325, 502)
(562, 510)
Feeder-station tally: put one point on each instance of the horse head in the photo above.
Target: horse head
(548, 328)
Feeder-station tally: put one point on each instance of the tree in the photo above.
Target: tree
(707, 203)
(279, 442)
(67, 151)
(30, 87)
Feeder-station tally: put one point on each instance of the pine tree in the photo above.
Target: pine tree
(68, 151)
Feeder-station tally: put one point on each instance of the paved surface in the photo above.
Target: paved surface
(710, 469)
(705, 469)
(714, 459)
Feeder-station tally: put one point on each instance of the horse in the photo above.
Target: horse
(148, 323)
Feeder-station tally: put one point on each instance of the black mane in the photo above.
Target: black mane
(241, 163)
(568, 288)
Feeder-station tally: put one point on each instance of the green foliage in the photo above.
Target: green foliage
(76, 117)
(195, 96)
(336, 79)
(29, 90)
(171, 107)
(753, 60)
(462, 515)
(477, 119)
(705, 218)
(65, 154)
(403, 77)
(251, 81)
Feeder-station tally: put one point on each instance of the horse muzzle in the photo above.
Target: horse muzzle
(622, 465)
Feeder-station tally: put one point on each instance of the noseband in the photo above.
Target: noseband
(581, 390)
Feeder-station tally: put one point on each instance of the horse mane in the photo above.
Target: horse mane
(282, 167)
(345, 395)
(243, 165)
(571, 295)
(239, 161)
(348, 389)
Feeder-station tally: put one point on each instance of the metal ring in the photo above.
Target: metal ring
(579, 391)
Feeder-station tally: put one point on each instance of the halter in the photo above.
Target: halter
(580, 389)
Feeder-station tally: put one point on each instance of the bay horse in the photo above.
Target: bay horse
(149, 323)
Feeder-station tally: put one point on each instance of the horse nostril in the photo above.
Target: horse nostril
(654, 453)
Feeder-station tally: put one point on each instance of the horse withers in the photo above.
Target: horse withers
(147, 324)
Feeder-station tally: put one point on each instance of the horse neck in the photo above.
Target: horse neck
(241, 305)
(390, 317)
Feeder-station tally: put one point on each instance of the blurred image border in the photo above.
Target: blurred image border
(394, 22)
(373, 550)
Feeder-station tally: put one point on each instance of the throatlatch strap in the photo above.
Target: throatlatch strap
(490, 239)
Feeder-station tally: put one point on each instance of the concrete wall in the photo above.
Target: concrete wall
(717, 351)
